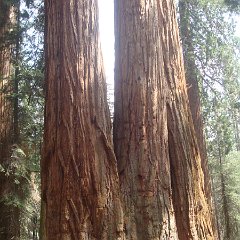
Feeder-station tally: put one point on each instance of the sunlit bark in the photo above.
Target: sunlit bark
(193, 92)
(159, 162)
(80, 191)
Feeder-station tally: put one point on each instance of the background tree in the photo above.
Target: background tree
(80, 191)
(22, 93)
(211, 49)
(10, 213)
(191, 71)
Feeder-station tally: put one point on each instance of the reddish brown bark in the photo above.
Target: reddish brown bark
(6, 70)
(194, 95)
(140, 123)
(158, 157)
(193, 89)
(80, 189)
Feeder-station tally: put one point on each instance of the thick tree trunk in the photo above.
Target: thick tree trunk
(192, 80)
(140, 122)
(159, 161)
(9, 214)
(193, 89)
(80, 186)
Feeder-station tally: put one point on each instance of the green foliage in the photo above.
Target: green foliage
(31, 105)
(227, 172)
(234, 5)
(23, 168)
(16, 170)
(211, 44)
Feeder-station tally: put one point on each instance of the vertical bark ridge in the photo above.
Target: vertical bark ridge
(80, 181)
(193, 89)
(5, 81)
(140, 123)
(193, 94)
(192, 210)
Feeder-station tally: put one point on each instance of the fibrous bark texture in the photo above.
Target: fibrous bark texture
(193, 91)
(80, 189)
(140, 123)
(9, 214)
(159, 163)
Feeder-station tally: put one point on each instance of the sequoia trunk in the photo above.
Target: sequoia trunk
(193, 91)
(159, 163)
(193, 88)
(80, 189)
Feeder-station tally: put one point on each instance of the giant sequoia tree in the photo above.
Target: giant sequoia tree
(80, 191)
(159, 161)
